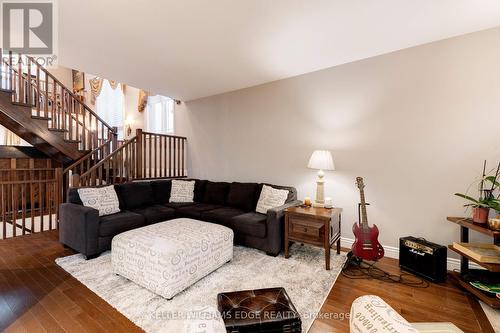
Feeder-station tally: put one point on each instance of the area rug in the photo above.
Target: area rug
(303, 276)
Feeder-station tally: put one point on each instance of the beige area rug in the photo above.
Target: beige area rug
(303, 276)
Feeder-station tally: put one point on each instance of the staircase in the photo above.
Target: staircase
(36, 106)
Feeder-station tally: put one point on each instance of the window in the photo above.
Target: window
(109, 106)
(160, 115)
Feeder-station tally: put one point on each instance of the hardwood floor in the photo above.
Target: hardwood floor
(36, 295)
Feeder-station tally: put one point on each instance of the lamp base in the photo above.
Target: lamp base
(319, 204)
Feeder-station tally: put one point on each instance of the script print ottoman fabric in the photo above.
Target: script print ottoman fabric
(168, 257)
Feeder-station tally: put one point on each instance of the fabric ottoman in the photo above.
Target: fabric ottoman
(168, 257)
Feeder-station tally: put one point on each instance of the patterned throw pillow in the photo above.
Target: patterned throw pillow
(104, 199)
(182, 191)
(270, 198)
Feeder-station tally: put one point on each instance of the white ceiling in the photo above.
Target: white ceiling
(189, 49)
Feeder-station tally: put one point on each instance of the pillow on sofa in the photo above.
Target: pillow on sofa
(182, 191)
(135, 194)
(216, 193)
(270, 198)
(104, 199)
(242, 195)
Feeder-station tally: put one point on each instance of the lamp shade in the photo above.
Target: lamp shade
(321, 160)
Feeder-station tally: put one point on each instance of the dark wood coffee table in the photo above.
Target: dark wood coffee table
(313, 225)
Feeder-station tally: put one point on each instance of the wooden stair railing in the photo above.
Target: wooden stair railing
(33, 86)
(145, 156)
(70, 175)
(29, 200)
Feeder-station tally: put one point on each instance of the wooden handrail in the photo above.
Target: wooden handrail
(52, 100)
(145, 156)
(87, 156)
(71, 93)
(27, 181)
(114, 153)
(165, 135)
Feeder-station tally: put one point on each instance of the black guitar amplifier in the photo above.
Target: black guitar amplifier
(423, 258)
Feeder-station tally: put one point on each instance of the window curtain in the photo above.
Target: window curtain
(143, 100)
(160, 115)
(110, 106)
(96, 85)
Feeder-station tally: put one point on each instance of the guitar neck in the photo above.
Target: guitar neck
(364, 216)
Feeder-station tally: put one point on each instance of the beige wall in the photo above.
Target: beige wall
(416, 124)
(63, 74)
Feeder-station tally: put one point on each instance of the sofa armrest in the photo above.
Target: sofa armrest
(79, 228)
(276, 226)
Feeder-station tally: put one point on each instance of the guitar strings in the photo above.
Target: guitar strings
(355, 268)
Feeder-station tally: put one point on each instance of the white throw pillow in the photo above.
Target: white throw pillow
(104, 199)
(182, 191)
(270, 197)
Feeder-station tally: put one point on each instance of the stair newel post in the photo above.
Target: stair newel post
(75, 180)
(37, 93)
(114, 140)
(46, 100)
(11, 76)
(139, 159)
(28, 81)
(84, 129)
(95, 134)
(20, 92)
(61, 191)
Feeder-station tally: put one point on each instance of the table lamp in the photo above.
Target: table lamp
(321, 160)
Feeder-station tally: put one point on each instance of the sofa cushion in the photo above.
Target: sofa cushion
(242, 195)
(104, 199)
(161, 191)
(156, 213)
(194, 211)
(221, 215)
(216, 193)
(177, 205)
(135, 194)
(292, 191)
(74, 197)
(114, 224)
(270, 198)
(182, 191)
(252, 224)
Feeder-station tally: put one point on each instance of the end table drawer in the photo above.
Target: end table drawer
(306, 228)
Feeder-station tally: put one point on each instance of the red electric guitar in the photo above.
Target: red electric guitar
(366, 245)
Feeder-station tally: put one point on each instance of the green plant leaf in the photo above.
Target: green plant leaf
(467, 197)
(493, 180)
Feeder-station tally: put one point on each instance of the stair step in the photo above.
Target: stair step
(40, 117)
(58, 130)
(7, 90)
(23, 104)
(71, 141)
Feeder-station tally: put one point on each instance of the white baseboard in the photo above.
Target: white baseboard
(393, 252)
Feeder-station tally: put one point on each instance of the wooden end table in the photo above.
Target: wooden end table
(315, 226)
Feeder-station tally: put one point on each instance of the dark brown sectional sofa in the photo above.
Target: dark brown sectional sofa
(143, 203)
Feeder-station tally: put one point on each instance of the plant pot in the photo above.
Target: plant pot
(480, 214)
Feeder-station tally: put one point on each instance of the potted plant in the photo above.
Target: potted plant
(487, 199)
